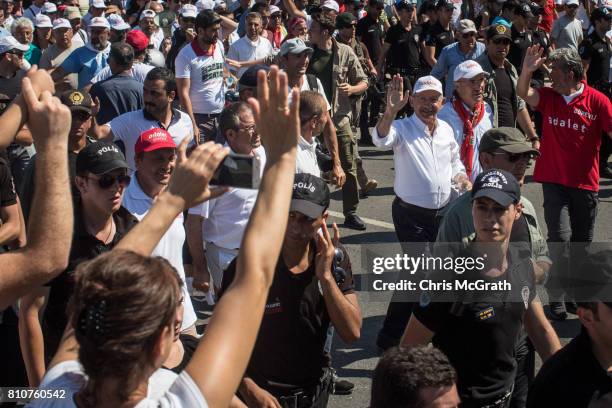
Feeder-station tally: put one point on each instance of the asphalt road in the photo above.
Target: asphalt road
(356, 361)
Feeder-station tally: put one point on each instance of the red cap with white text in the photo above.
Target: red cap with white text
(154, 139)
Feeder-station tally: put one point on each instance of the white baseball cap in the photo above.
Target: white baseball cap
(49, 8)
(468, 70)
(331, 4)
(61, 23)
(98, 4)
(42, 21)
(570, 2)
(147, 13)
(117, 23)
(189, 10)
(427, 83)
(220, 3)
(204, 5)
(9, 43)
(99, 22)
(273, 9)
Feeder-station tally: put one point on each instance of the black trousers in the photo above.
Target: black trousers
(570, 218)
(416, 228)
(525, 373)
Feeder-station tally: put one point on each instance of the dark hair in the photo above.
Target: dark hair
(402, 373)
(326, 23)
(122, 302)
(206, 18)
(122, 53)
(230, 116)
(258, 8)
(163, 74)
(512, 6)
(311, 104)
(591, 282)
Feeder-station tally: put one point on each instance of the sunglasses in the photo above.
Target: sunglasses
(503, 41)
(468, 35)
(82, 116)
(107, 181)
(189, 19)
(514, 157)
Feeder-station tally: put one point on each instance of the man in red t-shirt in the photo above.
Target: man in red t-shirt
(573, 117)
(548, 14)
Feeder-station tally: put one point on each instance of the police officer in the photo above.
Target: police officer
(477, 329)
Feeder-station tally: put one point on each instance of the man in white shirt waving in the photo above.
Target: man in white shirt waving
(427, 163)
(199, 76)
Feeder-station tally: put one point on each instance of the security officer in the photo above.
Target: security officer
(312, 288)
(477, 329)
(595, 52)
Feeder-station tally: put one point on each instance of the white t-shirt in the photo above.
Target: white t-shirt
(226, 217)
(246, 50)
(128, 127)
(139, 72)
(306, 87)
(306, 160)
(68, 378)
(170, 245)
(207, 89)
(156, 38)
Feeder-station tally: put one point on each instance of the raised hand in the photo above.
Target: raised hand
(189, 182)
(41, 80)
(325, 251)
(533, 58)
(48, 119)
(277, 123)
(396, 98)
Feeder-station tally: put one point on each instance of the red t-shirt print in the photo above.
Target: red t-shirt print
(571, 138)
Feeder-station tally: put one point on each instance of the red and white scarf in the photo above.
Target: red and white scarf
(470, 121)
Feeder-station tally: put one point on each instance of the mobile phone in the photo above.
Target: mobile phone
(238, 170)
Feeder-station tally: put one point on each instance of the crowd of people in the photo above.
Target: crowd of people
(117, 114)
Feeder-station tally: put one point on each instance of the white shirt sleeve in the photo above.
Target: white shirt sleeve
(456, 163)
(182, 63)
(322, 92)
(119, 128)
(197, 210)
(387, 141)
(183, 393)
(102, 75)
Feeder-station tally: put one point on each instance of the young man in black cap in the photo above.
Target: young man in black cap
(477, 327)
(312, 289)
(507, 149)
(99, 223)
(81, 108)
(440, 34)
(579, 374)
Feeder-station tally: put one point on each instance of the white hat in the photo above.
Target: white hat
(42, 21)
(189, 10)
(427, 83)
(570, 2)
(61, 23)
(49, 8)
(147, 13)
(117, 23)
(98, 4)
(9, 43)
(273, 9)
(99, 22)
(331, 4)
(204, 5)
(468, 70)
(220, 3)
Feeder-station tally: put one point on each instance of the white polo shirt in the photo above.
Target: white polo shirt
(128, 127)
(450, 116)
(170, 245)
(226, 217)
(306, 160)
(246, 50)
(205, 72)
(425, 164)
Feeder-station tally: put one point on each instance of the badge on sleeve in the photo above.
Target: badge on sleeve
(525, 296)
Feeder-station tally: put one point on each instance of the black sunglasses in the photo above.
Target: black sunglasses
(468, 35)
(189, 19)
(80, 115)
(107, 181)
(514, 157)
(503, 41)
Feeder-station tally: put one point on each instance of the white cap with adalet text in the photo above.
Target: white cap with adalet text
(427, 83)
(468, 70)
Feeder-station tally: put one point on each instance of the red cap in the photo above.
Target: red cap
(154, 139)
(137, 39)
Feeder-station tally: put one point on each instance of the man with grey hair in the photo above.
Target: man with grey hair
(573, 117)
(221, 222)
